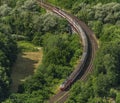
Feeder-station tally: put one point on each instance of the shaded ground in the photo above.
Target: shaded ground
(25, 65)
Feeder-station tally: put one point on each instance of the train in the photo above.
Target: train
(68, 82)
(76, 25)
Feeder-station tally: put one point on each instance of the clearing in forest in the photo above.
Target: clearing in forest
(25, 66)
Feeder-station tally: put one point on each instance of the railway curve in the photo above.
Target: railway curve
(90, 46)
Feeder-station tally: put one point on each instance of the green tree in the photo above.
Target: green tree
(118, 98)
(4, 84)
(97, 27)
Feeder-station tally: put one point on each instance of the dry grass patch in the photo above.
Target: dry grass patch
(25, 65)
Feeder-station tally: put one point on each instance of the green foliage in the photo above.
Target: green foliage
(8, 52)
(19, 19)
(110, 33)
(97, 27)
(118, 98)
(4, 10)
(9, 48)
(96, 1)
(106, 70)
(4, 83)
(80, 92)
(34, 97)
(25, 22)
(97, 99)
(105, 13)
(68, 4)
(63, 47)
(27, 46)
(36, 82)
(63, 3)
(37, 39)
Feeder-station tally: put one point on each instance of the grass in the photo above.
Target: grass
(52, 1)
(26, 64)
(26, 46)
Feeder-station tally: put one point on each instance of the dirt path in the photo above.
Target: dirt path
(25, 65)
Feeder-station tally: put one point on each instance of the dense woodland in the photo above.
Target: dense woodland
(24, 20)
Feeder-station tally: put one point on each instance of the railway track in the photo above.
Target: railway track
(90, 46)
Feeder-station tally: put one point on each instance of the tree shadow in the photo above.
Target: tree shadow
(23, 68)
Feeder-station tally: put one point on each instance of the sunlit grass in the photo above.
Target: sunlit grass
(26, 46)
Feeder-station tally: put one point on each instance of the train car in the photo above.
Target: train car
(73, 76)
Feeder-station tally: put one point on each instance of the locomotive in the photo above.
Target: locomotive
(65, 84)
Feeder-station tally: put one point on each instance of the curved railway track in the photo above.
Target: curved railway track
(89, 48)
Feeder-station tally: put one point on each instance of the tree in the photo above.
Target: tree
(118, 98)
(97, 27)
(4, 10)
(4, 84)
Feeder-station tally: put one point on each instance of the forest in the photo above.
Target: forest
(24, 20)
